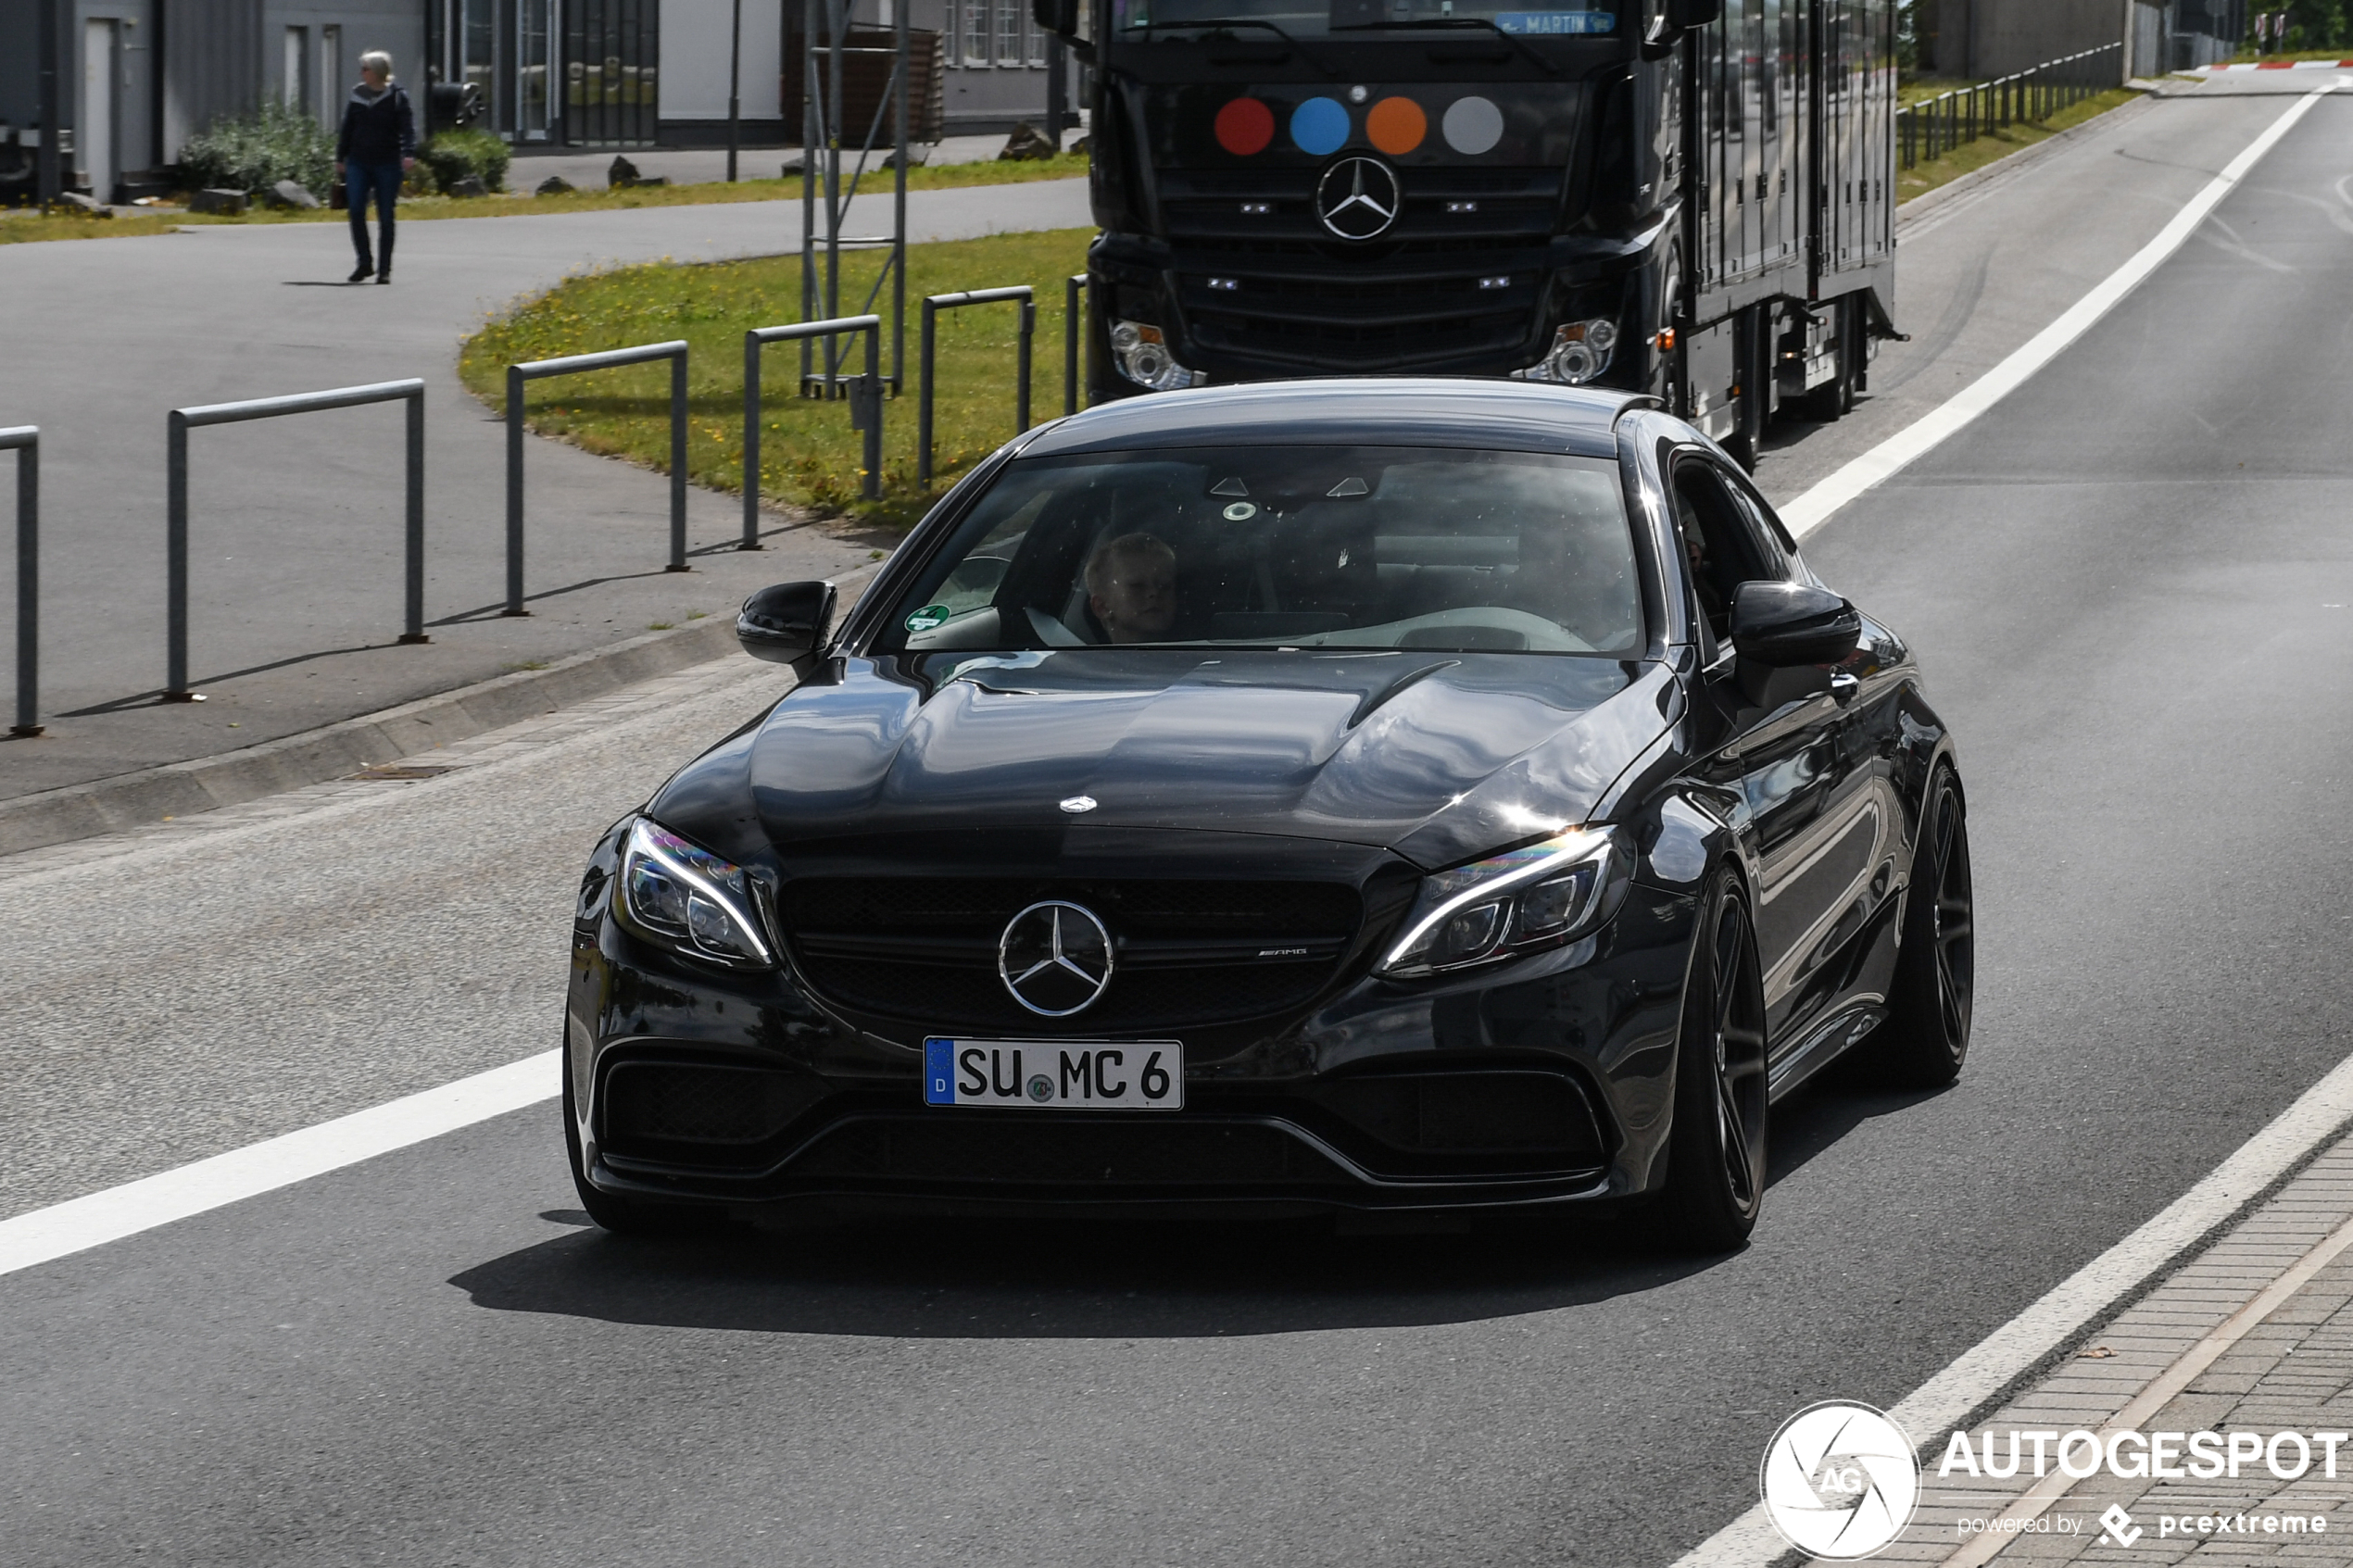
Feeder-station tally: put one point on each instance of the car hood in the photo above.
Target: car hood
(1439, 756)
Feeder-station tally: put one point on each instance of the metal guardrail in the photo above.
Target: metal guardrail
(1073, 300)
(932, 304)
(1933, 127)
(25, 442)
(865, 405)
(411, 392)
(540, 369)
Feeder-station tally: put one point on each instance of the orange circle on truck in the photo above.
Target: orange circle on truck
(1244, 127)
(1396, 126)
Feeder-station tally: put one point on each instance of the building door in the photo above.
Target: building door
(94, 128)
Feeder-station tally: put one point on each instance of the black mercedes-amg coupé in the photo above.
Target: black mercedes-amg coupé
(1322, 796)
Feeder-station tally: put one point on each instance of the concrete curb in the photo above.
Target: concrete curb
(181, 789)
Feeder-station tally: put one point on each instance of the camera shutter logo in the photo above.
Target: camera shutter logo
(1358, 198)
(1839, 1480)
(1055, 958)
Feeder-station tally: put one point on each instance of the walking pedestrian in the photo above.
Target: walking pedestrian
(375, 149)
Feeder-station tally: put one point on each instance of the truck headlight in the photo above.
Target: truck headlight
(1141, 351)
(1580, 353)
(689, 900)
(1518, 902)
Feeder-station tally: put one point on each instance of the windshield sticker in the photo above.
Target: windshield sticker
(928, 617)
(1557, 22)
(1240, 511)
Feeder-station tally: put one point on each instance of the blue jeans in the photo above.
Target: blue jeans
(384, 179)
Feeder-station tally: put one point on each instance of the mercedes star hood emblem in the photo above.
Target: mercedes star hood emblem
(1358, 198)
(1055, 958)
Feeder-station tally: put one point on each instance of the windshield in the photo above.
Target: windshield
(1308, 19)
(1287, 546)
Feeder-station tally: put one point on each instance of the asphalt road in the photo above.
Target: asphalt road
(2132, 588)
(296, 523)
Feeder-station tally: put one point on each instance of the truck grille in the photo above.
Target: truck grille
(1459, 276)
(1186, 953)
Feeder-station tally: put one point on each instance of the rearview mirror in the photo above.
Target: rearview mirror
(1782, 625)
(785, 623)
(1672, 19)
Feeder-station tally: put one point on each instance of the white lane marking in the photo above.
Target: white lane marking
(1981, 1372)
(1816, 506)
(97, 1218)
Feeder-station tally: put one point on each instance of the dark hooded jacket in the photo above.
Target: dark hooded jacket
(378, 127)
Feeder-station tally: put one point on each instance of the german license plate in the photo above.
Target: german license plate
(1057, 1075)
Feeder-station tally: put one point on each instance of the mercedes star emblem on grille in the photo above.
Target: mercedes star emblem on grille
(1055, 958)
(1358, 197)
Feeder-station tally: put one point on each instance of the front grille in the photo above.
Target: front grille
(696, 1113)
(1475, 1122)
(1185, 952)
(997, 1148)
(1277, 285)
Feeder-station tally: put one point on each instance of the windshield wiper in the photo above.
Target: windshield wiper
(1213, 23)
(1431, 24)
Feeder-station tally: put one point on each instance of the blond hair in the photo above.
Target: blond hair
(377, 60)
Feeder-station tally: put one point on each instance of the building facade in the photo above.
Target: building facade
(140, 77)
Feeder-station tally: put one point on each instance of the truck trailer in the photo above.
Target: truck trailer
(1693, 198)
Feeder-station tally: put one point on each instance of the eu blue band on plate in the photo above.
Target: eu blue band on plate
(939, 1071)
(1557, 22)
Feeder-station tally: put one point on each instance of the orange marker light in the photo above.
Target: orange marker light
(1665, 338)
(1396, 126)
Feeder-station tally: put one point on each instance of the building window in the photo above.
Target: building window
(291, 90)
(1008, 40)
(978, 14)
(331, 84)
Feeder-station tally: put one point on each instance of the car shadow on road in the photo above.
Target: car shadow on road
(1059, 1279)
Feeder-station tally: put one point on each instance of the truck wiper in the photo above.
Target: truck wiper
(1213, 22)
(1437, 24)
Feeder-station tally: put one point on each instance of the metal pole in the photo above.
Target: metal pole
(49, 177)
(750, 540)
(413, 630)
(1021, 396)
(837, 19)
(1072, 290)
(871, 489)
(810, 137)
(1057, 88)
(923, 401)
(898, 206)
(175, 684)
(735, 89)
(514, 492)
(27, 441)
(677, 463)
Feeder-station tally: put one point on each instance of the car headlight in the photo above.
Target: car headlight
(1580, 352)
(1508, 904)
(1140, 350)
(688, 899)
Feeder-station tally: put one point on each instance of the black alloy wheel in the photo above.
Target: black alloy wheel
(1925, 1039)
(1715, 1156)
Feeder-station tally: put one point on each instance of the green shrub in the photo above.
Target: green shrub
(453, 155)
(255, 150)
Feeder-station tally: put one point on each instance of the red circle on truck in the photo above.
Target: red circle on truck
(1245, 126)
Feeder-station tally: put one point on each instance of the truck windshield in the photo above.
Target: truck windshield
(1290, 547)
(1137, 20)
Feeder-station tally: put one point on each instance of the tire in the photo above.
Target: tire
(1832, 399)
(622, 1216)
(1717, 1150)
(1925, 1039)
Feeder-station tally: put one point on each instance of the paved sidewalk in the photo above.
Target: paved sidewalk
(295, 567)
(2252, 1338)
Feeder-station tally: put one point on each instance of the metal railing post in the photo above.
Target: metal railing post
(178, 425)
(175, 552)
(865, 403)
(25, 441)
(514, 492)
(932, 304)
(573, 364)
(1073, 296)
(677, 465)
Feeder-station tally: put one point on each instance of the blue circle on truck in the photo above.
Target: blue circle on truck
(1319, 126)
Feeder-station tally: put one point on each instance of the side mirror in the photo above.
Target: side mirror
(1674, 18)
(1066, 19)
(1784, 624)
(786, 625)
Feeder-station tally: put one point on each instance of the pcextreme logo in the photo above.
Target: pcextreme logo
(1839, 1480)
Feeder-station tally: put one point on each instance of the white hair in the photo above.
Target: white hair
(377, 60)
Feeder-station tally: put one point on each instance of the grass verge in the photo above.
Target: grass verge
(164, 221)
(1995, 146)
(809, 456)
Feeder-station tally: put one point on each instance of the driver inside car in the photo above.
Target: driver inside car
(1131, 588)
